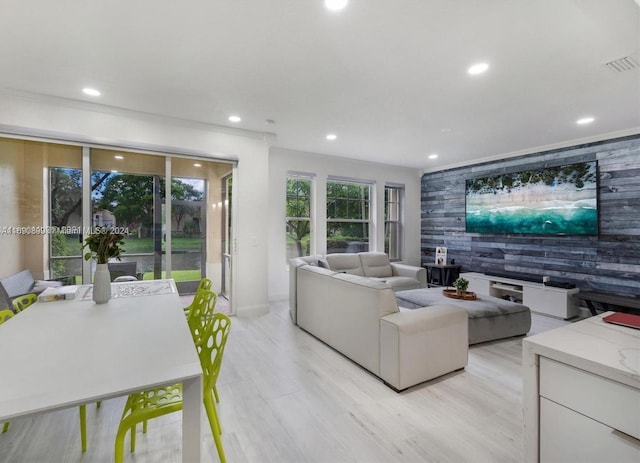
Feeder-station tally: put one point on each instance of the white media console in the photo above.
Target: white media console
(546, 300)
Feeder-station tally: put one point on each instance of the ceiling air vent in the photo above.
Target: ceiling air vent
(626, 63)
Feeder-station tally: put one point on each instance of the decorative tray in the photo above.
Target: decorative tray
(453, 294)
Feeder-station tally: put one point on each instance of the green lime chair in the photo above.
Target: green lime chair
(210, 336)
(204, 285)
(5, 315)
(22, 302)
(201, 308)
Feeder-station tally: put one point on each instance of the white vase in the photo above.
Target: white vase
(101, 284)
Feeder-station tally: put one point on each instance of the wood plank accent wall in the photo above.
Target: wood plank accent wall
(609, 262)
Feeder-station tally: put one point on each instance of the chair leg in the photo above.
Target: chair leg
(215, 426)
(214, 410)
(215, 393)
(83, 427)
(5, 427)
(132, 438)
(119, 451)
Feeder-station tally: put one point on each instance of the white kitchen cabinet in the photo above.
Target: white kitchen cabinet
(581, 393)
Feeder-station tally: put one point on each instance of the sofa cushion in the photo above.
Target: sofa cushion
(375, 264)
(17, 284)
(345, 263)
(385, 298)
(41, 285)
(402, 283)
(306, 260)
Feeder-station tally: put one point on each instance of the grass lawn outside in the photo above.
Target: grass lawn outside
(183, 243)
(177, 275)
(145, 246)
(134, 245)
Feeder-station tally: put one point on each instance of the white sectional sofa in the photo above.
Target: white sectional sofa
(359, 317)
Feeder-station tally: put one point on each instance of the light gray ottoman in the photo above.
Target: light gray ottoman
(490, 317)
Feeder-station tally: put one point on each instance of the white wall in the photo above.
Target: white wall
(66, 119)
(282, 161)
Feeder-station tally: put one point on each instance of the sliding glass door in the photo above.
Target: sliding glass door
(127, 192)
(226, 232)
(175, 211)
(180, 238)
(188, 232)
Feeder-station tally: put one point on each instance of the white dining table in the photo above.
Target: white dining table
(66, 353)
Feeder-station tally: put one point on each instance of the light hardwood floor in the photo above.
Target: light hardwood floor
(287, 397)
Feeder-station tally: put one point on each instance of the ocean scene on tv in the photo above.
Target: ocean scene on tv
(551, 201)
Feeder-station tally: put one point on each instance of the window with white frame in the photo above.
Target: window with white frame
(298, 216)
(393, 213)
(348, 216)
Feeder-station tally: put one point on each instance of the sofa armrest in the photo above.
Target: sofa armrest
(422, 344)
(404, 270)
(425, 319)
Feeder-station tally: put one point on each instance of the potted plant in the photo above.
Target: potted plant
(461, 285)
(103, 244)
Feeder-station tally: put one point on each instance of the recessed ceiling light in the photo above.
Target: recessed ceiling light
(585, 120)
(118, 156)
(433, 156)
(331, 136)
(235, 118)
(335, 5)
(91, 91)
(197, 164)
(478, 68)
(114, 171)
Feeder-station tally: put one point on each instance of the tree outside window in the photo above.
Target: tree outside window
(65, 205)
(298, 211)
(348, 216)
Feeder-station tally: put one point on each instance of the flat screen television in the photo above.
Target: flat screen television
(559, 200)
